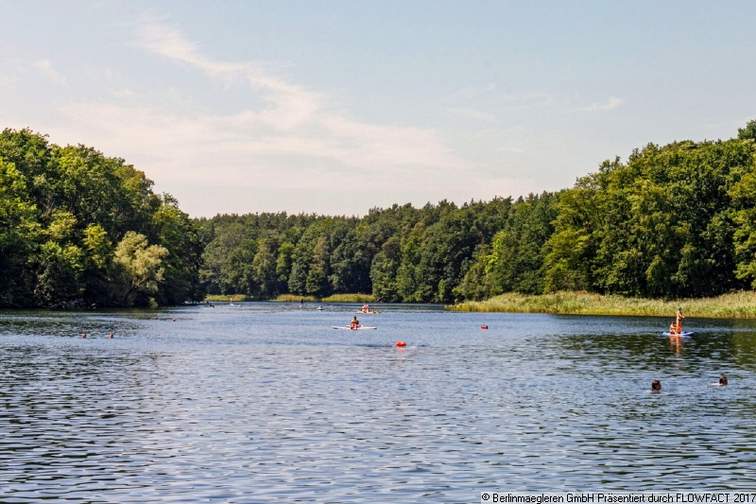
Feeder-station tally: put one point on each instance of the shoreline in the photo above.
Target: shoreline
(293, 298)
(735, 305)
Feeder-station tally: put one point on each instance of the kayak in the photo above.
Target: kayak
(361, 328)
(682, 334)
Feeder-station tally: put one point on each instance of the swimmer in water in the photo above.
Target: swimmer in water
(722, 379)
(656, 386)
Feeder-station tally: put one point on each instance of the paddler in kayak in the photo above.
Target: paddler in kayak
(365, 308)
(355, 324)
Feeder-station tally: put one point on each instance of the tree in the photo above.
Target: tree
(264, 269)
(516, 262)
(744, 196)
(283, 264)
(748, 132)
(175, 231)
(140, 268)
(61, 208)
(58, 277)
(19, 232)
(227, 259)
(383, 271)
(316, 283)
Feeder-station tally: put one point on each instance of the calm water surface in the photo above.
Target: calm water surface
(263, 402)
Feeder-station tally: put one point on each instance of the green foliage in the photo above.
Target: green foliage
(58, 274)
(316, 283)
(517, 256)
(744, 196)
(175, 231)
(227, 259)
(98, 246)
(140, 268)
(264, 269)
(748, 132)
(383, 271)
(61, 210)
(659, 225)
(19, 235)
(78, 228)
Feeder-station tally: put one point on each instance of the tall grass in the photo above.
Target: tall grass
(295, 298)
(349, 298)
(228, 298)
(733, 305)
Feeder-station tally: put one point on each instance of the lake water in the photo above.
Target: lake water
(264, 402)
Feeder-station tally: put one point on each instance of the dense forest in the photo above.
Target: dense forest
(78, 229)
(82, 229)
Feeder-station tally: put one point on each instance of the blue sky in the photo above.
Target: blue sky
(337, 107)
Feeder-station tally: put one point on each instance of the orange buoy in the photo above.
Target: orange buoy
(401, 344)
(484, 326)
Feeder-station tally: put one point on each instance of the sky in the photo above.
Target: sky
(337, 107)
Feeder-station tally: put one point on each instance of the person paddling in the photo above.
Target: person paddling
(672, 329)
(678, 321)
(365, 308)
(355, 324)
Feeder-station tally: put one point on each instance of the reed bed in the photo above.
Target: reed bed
(349, 298)
(740, 305)
(295, 298)
(226, 298)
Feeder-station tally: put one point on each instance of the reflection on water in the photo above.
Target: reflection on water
(260, 401)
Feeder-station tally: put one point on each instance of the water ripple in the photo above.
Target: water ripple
(255, 403)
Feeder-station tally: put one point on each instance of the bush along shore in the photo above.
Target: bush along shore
(740, 305)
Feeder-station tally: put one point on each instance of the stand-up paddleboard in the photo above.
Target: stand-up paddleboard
(682, 334)
(361, 328)
(366, 312)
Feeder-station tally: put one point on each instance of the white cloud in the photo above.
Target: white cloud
(295, 142)
(123, 93)
(612, 103)
(472, 113)
(46, 69)
(292, 111)
(498, 98)
(472, 92)
(289, 105)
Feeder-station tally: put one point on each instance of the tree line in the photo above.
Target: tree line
(82, 229)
